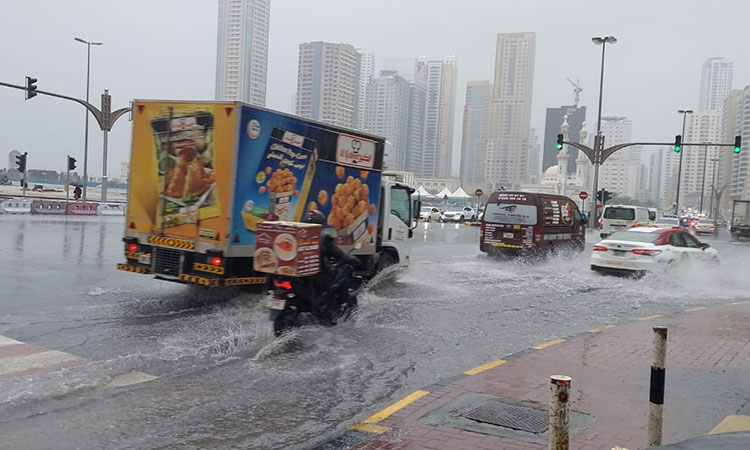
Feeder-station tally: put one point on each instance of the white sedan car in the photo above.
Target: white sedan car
(705, 226)
(638, 250)
(429, 214)
(458, 214)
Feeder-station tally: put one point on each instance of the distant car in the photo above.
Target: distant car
(429, 214)
(705, 226)
(668, 222)
(621, 217)
(642, 249)
(458, 214)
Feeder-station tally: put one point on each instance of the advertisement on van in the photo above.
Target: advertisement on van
(181, 169)
(287, 167)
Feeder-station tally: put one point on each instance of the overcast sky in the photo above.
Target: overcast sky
(167, 49)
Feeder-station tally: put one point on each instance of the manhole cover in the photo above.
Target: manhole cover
(531, 420)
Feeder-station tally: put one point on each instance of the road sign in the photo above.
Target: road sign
(478, 192)
(583, 195)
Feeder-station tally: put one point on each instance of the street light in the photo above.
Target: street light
(684, 113)
(599, 139)
(703, 185)
(86, 135)
(713, 190)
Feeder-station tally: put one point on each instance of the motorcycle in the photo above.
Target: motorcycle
(299, 301)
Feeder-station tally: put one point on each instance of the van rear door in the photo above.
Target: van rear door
(510, 223)
(618, 218)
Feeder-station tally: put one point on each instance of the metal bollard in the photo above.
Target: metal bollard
(559, 413)
(656, 395)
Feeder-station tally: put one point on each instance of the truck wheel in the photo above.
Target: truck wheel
(386, 259)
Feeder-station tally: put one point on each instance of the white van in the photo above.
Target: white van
(621, 217)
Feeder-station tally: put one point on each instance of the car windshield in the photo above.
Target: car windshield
(634, 236)
(427, 209)
(666, 221)
(618, 213)
(706, 221)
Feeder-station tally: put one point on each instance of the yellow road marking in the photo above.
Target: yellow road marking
(651, 317)
(548, 344)
(600, 329)
(484, 367)
(369, 428)
(738, 303)
(409, 399)
(695, 309)
(732, 423)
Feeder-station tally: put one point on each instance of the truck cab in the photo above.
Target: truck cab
(398, 218)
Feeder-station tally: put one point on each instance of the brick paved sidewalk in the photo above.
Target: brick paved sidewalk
(707, 379)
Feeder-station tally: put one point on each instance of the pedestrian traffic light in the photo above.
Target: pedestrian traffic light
(71, 163)
(21, 162)
(677, 143)
(737, 144)
(559, 144)
(30, 87)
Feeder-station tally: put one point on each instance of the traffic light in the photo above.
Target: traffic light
(603, 196)
(30, 87)
(737, 144)
(559, 144)
(21, 162)
(71, 163)
(677, 143)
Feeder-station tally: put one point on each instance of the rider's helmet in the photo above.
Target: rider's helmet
(314, 216)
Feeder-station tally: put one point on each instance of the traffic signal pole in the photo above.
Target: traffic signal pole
(105, 117)
(598, 154)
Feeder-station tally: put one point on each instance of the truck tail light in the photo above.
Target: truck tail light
(132, 247)
(600, 248)
(283, 285)
(646, 251)
(216, 261)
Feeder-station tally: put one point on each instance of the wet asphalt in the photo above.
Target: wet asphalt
(225, 382)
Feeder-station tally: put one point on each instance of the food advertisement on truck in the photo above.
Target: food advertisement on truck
(287, 166)
(181, 167)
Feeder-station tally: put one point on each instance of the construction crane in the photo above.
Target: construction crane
(577, 89)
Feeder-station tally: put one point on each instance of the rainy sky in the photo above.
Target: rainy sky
(166, 49)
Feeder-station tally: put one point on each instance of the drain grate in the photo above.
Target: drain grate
(521, 418)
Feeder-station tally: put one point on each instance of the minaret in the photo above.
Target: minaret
(562, 159)
(582, 162)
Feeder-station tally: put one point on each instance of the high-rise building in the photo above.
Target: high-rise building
(716, 82)
(414, 70)
(705, 125)
(473, 138)
(366, 73)
(737, 181)
(576, 118)
(394, 108)
(535, 157)
(328, 82)
(242, 51)
(509, 115)
(619, 172)
(437, 146)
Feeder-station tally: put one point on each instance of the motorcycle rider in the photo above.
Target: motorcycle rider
(335, 264)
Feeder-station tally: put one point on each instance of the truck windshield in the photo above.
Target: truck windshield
(618, 213)
(511, 213)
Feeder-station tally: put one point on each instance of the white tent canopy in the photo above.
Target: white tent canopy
(460, 193)
(443, 193)
(423, 192)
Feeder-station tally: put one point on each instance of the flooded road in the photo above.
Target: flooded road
(223, 381)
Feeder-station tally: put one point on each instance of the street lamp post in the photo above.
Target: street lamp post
(86, 135)
(703, 184)
(684, 113)
(598, 138)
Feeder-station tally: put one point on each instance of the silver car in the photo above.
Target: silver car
(705, 226)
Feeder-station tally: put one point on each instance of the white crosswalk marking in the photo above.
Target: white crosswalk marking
(34, 361)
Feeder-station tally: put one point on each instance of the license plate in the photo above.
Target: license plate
(276, 303)
(509, 235)
(145, 259)
(619, 252)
